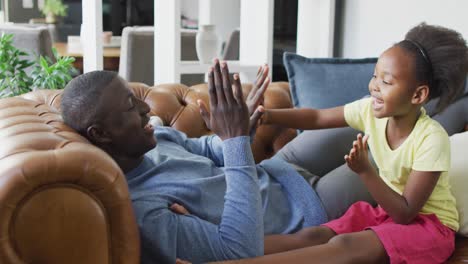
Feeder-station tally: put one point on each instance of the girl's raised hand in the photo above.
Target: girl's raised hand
(358, 158)
(256, 95)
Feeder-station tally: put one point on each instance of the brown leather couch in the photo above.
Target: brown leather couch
(63, 200)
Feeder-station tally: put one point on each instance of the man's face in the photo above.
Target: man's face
(123, 120)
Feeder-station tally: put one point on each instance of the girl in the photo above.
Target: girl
(416, 219)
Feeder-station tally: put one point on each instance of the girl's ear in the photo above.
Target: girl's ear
(420, 95)
(97, 135)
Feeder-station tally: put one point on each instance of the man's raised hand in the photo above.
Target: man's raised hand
(229, 114)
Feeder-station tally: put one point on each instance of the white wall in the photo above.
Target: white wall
(371, 26)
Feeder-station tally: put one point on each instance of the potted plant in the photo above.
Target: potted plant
(13, 78)
(45, 75)
(52, 9)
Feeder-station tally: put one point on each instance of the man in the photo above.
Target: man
(232, 201)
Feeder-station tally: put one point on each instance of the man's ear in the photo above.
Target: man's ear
(420, 95)
(97, 135)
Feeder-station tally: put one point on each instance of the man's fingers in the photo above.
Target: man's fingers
(204, 113)
(238, 89)
(218, 83)
(211, 87)
(227, 83)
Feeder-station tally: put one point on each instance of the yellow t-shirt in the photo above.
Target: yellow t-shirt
(427, 148)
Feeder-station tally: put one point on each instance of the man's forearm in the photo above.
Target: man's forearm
(242, 218)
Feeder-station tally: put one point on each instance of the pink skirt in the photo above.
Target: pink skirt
(425, 240)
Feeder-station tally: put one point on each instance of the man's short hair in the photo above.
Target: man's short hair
(80, 99)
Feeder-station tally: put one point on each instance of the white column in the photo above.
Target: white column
(315, 28)
(166, 41)
(224, 14)
(91, 35)
(256, 33)
(5, 11)
(205, 12)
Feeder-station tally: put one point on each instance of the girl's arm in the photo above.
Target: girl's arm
(401, 208)
(305, 118)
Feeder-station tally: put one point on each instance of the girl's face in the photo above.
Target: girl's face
(393, 83)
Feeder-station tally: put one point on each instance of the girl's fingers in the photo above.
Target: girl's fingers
(261, 91)
(355, 150)
(351, 154)
(260, 69)
(359, 140)
(364, 141)
(255, 117)
(348, 160)
(261, 77)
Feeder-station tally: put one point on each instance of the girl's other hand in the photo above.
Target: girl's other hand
(358, 157)
(256, 95)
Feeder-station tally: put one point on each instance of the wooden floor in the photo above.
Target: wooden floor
(461, 252)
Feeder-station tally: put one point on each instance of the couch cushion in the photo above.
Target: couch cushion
(458, 176)
(327, 82)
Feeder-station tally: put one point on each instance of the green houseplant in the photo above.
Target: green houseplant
(45, 75)
(52, 75)
(52, 9)
(13, 78)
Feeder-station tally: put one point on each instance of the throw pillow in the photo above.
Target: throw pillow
(327, 82)
(458, 177)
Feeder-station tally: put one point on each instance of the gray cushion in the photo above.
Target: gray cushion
(231, 50)
(137, 55)
(327, 82)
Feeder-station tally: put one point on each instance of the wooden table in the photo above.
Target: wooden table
(111, 56)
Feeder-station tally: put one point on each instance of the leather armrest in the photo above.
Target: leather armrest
(62, 200)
